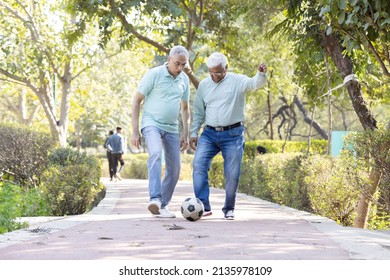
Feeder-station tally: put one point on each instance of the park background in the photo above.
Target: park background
(69, 70)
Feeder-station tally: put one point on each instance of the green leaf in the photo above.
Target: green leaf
(342, 5)
(349, 19)
(353, 2)
(341, 17)
(376, 16)
(385, 22)
(325, 10)
(329, 30)
(372, 33)
(354, 19)
(365, 6)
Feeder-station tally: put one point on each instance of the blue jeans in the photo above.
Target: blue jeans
(231, 144)
(158, 140)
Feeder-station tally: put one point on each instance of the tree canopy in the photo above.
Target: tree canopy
(80, 34)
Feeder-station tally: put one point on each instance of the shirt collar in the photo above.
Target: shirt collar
(224, 78)
(166, 73)
(165, 69)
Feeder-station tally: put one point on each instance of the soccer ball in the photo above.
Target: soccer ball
(192, 209)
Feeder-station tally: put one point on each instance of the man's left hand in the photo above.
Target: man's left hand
(262, 68)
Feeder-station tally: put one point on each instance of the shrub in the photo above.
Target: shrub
(23, 154)
(136, 166)
(72, 182)
(68, 156)
(369, 152)
(216, 172)
(250, 173)
(317, 184)
(11, 199)
(293, 173)
(280, 179)
(332, 193)
(186, 166)
(34, 203)
(279, 146)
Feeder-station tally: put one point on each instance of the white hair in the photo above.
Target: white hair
(179, 50)
(217, 59)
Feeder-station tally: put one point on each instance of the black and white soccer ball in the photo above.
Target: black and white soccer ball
(192, 209)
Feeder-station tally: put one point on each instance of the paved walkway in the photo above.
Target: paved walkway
(121, 228)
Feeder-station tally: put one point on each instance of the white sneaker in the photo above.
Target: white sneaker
(165, 213)
(229, 215)
(207, 213)
(154, 207)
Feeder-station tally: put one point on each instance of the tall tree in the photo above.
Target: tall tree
(201, 26)
(103, 96)
(19, 101)
(319, 25)
(360, 25)
(198, 25)
(36, 50)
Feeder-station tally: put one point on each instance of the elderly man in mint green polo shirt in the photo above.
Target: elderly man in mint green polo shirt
(220, 104)
(164, 90)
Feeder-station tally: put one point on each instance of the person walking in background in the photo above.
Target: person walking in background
(164, 90)
(109, 155)
(220, 104)
(116, 142)
(122, 164)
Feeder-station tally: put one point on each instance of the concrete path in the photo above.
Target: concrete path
(121, 228)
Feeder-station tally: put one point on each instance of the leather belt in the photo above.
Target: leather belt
(223, 128)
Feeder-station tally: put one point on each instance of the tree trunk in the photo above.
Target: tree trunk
(344, 65)
(365, 197)
(66, 81)
(330, 127)
(270, 120)
(20, 109)
(309, 120)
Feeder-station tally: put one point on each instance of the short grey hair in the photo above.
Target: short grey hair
(217, 59)
(179, 50)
